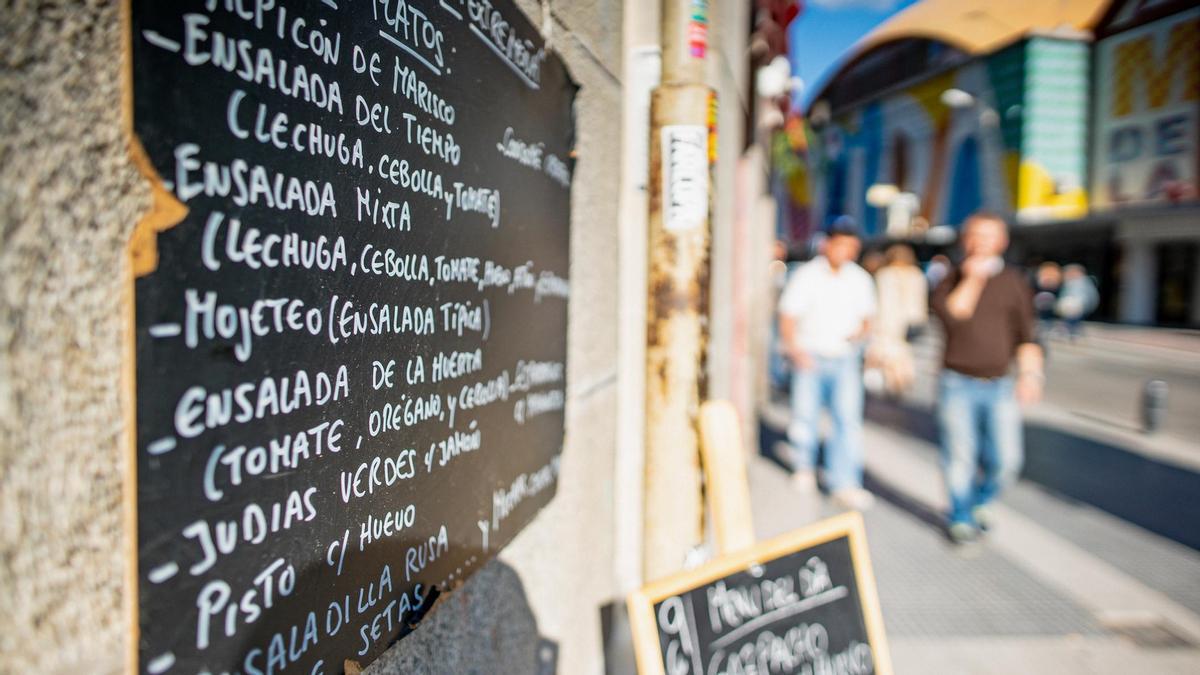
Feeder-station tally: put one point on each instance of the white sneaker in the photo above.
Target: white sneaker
(983, 517)
(854, 499)
(962, 533)
(804, 481)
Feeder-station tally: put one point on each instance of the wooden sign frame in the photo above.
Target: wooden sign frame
(850, 525)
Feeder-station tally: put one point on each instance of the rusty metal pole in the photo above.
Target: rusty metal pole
(677, 310)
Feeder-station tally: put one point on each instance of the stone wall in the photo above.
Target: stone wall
(69, 198)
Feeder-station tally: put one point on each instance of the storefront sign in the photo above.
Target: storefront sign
(1146, 148)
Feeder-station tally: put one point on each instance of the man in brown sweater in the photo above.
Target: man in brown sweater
(987, 311)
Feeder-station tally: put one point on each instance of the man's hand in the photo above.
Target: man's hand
(1029, 388)
(1030, 373)
(962, 301)
(979, 267)
(800, 359)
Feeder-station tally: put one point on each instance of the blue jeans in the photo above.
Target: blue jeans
(836, 384)
(982, 447)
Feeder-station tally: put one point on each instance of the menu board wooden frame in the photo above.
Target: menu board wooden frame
(849, 525)
(163, 211)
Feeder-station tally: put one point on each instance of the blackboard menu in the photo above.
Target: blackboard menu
(350, 317)
(803, 603)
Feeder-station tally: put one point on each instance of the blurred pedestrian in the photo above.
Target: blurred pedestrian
(903, 311)
(778, 364)
(825, 315)
(1077, 299)
(937, 269)
(1047, 284)
(873, 261)
(987, 311)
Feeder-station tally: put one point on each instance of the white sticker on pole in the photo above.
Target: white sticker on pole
(684, 176)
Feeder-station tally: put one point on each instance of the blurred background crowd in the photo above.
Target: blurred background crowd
(1047, 379)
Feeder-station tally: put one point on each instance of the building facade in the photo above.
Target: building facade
(1145, 156)
(1014, 145)
(1077, 122)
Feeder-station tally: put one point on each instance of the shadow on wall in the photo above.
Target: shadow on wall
(619, 657)
(485, 626)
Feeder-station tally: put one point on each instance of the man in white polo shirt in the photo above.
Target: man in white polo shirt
(825, 315)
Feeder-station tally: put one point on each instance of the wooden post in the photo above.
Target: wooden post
(725, 477)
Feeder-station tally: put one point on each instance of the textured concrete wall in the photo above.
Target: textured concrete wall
(68, 202)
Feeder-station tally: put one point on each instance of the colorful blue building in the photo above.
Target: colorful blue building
(1020, 108)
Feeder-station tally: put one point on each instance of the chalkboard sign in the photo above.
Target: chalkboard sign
(801, 603)
(350, 314)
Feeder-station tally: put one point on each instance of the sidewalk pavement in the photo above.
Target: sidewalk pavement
(1059, 587)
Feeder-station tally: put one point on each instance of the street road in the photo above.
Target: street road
(1102, 380)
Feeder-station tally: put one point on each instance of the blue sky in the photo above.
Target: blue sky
(827, 28)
